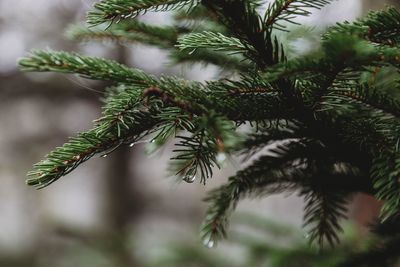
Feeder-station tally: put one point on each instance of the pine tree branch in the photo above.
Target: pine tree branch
(370, 119)
(287, 10)
(114, 10)
(126, 118)
(296, 164)
(323, 211)
(88, 67)
(124, 128)
(386, 172)
(380, 27)
(269, 174)
(246, 24)
(123, 120)
(211, 40)
(209, 97)
(130, 31)
(351, 97)
(339, 51)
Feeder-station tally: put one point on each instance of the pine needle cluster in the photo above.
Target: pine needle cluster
(332, 115)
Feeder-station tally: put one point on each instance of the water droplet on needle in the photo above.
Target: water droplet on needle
(221, 157)
(189, 178)
(210, 244)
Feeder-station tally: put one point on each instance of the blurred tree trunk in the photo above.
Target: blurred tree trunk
(126, 200)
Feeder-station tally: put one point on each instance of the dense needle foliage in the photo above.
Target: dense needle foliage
(333, 115)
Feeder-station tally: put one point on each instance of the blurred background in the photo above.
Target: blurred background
(123, 210)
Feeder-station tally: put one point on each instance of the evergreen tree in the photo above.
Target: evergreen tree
(333, 115)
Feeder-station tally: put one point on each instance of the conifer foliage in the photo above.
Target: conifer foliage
(334, 122)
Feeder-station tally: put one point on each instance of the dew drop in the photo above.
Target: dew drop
(132, 144)
(209, 243)
(221, 157)
(189, 178)
(104, 156)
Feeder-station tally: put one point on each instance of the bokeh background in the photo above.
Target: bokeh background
(118, 211)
